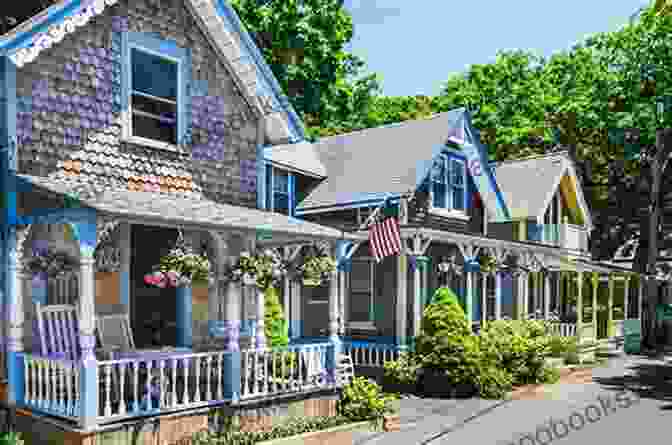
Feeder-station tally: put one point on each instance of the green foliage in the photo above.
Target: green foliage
(294, 426)
(403, 371)
(275, 325)
(493, 382)
(550, 375)
(518, 346)
(11, 438)
(363, 399)
(561, 347)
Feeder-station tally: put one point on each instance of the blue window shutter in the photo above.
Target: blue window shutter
(268, 188)
(184, 104)
(291, 192)
(533, 232)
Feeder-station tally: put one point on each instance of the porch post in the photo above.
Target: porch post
(88, 386)
(579, 305)
(640, 292)
(334, 339)
(498, 295)
(184, 316)
(626, 298)
(610, 307)
(296, 324)
(125, 265)
(342, 304)
(259, 332)
(15, 320)
(402, 271)
(484, 298)
(596, 283)
(523, 285)
(469, 296)
(547, 294)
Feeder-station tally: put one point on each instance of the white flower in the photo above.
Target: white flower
(245, 254)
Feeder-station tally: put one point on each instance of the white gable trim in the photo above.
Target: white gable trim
(568, 169)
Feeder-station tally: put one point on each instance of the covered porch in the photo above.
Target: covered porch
(211, 348)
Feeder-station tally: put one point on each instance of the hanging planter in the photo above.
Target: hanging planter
(51, 263)
(180, 267)
(262, 269)
(317, 268)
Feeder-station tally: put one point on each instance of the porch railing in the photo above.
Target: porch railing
(64, 288)
(371, 354)
(275, 371)
(563, 329)
(52, 386)
(133, 387)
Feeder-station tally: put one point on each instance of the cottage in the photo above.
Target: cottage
(130, 127)
(456, 209)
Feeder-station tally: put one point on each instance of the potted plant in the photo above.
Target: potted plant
(316, 268)
(180, 267)
(262, 269)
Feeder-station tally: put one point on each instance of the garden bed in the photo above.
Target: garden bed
(337, 435)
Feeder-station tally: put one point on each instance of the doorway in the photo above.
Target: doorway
(153, 310)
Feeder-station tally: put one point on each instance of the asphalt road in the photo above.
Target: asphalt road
(627, 402)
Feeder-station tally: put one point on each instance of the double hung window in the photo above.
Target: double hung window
(360, 305)
(447, 179)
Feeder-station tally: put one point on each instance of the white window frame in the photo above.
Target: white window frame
(363, 325)
(450, 211)
(127, 115)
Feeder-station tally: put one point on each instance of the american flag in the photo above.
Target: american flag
(385, 238)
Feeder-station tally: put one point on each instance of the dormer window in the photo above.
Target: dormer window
(447, 184)
(280, 186)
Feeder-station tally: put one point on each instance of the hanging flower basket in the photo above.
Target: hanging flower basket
(263, 269)
(317, 268)
(180, 267)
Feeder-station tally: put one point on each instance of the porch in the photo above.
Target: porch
(57, 364)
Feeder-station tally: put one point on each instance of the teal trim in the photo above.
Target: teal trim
(291, 192)
(184, 317)
(269, 82)
(15, 378)
(88, 393)
(125, 290)
(24, 38)
(231, 384)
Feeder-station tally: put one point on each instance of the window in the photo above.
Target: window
(448, 178)
(154, 78)
(153, 100)
(279, 184)
(360, 305)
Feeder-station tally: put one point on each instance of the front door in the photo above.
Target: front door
(153, 310)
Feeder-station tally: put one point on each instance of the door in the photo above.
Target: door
(315, 313)
(153, 310)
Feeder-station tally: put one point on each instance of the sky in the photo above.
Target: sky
(416, 44)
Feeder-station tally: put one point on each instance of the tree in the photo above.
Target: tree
(303, 41)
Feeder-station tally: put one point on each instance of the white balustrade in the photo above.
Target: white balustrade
(274, 371)
(563, 329)
(52, 385)
(132, 387)
(371, 354)
(64, 288)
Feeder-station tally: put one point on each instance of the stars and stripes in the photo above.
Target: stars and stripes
(385, 238)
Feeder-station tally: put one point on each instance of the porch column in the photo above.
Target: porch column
(610, 307)
(484, 298)
(498, 295)
(626, 298)
(88, 384)
(231, 361)
(15, 320)
(184, 316)
(259, 332)
(547, 294)
(469, 296)
(579, 305)
(640, 293)
(596, 283)
(125, 265)
(342, 303)
(286, 297)
(296, 323)
(523, 285)
(334, 339)
(402, 271)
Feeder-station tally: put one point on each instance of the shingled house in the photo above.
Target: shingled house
(125, 124)
(447, 223)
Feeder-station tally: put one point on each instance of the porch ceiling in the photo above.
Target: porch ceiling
(162, 209)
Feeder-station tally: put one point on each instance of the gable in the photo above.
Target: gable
(216, 19)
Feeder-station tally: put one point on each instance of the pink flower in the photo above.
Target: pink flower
(149, 279)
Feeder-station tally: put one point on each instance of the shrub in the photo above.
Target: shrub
(561, 346)
(11, 438)
(493, 382)
(275, 325)
(363, 399)
(403, 371)
(443, 332)
(550, 374)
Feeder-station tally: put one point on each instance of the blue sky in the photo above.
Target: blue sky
(416, 44)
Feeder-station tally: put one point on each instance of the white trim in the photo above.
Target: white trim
(361, 325)
(568, 169)
(458, 214)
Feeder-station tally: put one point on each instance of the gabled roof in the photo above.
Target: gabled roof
(220, 24)
(300, 157)
(528, 184)
(376, 163)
